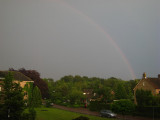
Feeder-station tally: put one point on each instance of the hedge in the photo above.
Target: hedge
(97, 106)
(148, 111)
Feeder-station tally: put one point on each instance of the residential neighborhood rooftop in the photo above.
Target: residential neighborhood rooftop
(17, 75)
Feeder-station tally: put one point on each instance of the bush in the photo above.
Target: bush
(97, 106)
(58, 101)
(30, 115)
(48, 103)
(144, 98)
(148, 112)
(123, 106)
(81, 118)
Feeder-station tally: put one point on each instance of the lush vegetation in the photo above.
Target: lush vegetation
(69, 89)
(34, 95)
(35, 76)
(145, 98)
(12, 95)
(123, 107)
(13, 106)
(111, 93)
(147, 104)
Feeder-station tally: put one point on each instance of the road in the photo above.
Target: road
(86, 111)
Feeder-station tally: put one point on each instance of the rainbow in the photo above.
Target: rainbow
(98, 27)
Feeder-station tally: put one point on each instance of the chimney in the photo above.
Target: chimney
(158, 76)
(144, 76)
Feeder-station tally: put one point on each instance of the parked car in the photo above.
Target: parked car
(107, 113)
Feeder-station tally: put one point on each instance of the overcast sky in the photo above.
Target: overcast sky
(95, 38)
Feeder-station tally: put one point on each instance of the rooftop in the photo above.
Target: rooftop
(16, 75)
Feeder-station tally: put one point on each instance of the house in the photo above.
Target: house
(147, 83)
(88, 93)
(18, 78)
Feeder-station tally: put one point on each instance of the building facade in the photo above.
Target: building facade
(147, 83)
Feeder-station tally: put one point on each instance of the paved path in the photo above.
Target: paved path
(86, 111)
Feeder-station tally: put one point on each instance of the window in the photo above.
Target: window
(0, 89)
(143, 84)
(25, 93)
(1, 78)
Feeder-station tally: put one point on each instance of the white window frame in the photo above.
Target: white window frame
(143, 84)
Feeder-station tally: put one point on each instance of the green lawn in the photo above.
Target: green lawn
(57, 114)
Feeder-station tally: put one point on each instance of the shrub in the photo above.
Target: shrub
(144, 98)
(148, 111)
(123, 106)
(81, 118)
(29, 115)
(48, 103)
(97, 106)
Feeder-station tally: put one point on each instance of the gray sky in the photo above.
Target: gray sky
(101, 38)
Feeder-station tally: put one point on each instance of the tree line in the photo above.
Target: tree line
(112, 93)
(69, 89)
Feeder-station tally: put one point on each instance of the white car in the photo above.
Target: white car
(107, 113)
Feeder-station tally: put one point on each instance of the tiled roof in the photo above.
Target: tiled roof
(155, 82)
(88, 90)
(16, 75)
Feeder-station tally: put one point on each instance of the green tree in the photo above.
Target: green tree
(34, 95)
(120, 92)
(75, 96)
(51, 87)
(129, 90)
(105, 94)
(13, 106)
(37, 98)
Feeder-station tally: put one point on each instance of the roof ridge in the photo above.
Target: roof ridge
(19, 77)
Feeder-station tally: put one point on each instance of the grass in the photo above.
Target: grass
(57, 114)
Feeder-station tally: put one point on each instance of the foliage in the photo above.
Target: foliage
(151, 111)
(156, 100)
(105, 93)
(28, 88)
(147, 104)
(64, 90)
(75, 96)
(50, 82)
(29, 114)
(98, 105)
(48, 103)
(35, 76)
(123, 106)
(13, 106)
(81, 118)
(37, 98)
(144, 98)
(120, 92)
(34, 95)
